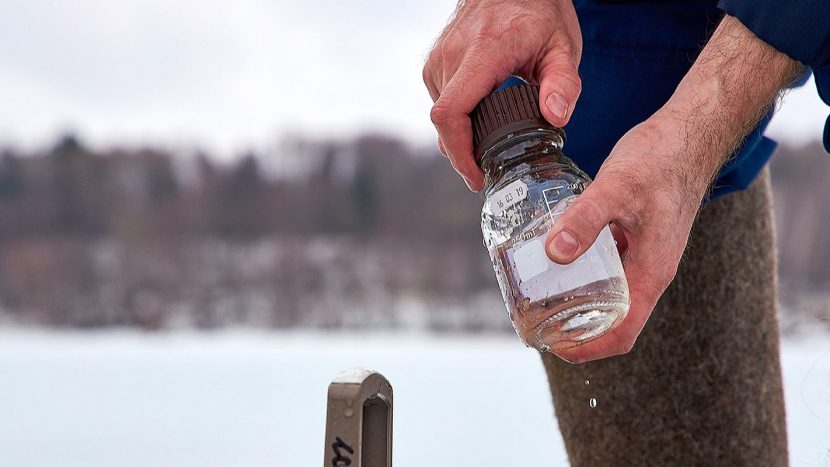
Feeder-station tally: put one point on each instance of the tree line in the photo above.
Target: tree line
(367, 231)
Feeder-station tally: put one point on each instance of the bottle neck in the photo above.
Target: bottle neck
(500, 161)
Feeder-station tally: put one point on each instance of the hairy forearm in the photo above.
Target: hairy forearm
(730, 87)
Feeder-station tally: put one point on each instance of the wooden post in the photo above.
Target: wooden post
(359, 420)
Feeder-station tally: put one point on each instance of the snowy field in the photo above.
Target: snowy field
(258, 399)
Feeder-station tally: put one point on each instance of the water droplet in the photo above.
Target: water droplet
(592, 403)
(587, 382)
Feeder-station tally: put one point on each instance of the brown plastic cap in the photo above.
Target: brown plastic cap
(505, 112)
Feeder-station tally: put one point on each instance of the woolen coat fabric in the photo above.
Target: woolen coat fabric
(702, 386)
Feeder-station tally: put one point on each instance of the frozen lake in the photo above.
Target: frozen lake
(258, 399)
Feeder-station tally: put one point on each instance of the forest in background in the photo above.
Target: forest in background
(361, 232)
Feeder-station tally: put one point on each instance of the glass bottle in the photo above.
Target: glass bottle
(529, 182)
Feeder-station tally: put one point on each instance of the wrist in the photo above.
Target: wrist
(730, 87)
(702, 129)
(694, 148)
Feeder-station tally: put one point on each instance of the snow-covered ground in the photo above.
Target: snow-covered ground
(258, 399)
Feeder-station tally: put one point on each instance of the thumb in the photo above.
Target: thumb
(559, 87)
(578, 226)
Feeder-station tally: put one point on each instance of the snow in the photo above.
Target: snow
(352, 376)
(247, 398)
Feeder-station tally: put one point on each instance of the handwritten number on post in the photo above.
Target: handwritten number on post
(340, 459)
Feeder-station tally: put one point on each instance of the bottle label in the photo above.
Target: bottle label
(530, 259)
(537, 273)
(508, 196)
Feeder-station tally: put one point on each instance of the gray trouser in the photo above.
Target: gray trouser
(702, 386)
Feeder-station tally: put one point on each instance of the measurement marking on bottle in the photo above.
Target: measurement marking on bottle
(552, 197)
(525, 236)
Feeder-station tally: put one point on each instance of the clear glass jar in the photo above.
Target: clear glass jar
(529, 182)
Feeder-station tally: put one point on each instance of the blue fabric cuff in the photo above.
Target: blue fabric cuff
(798, 28)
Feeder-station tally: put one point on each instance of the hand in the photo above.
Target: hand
(652, 184)
(651, 194)
(487, 41)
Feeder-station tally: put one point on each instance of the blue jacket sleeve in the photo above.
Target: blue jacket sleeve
(798, 28)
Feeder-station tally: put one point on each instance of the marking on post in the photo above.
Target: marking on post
(340, 459)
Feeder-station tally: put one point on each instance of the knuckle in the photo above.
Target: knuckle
(660, 281)
(586, 215)
(575, 82)
(440, 114)
(563, 72)
(435, 56)
(667, 276)
(451, 45)
(571, 85)
(568, 72)
(625, 346)
(490, 33)
(566, 42)
(426, 74)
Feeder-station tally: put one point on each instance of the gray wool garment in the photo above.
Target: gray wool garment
(702, 386)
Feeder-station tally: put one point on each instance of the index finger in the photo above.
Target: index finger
(473, 80)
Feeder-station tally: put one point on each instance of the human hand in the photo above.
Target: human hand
(652, 184)
(651, 194)
(484, 43)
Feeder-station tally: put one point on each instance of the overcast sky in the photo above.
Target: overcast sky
(229, 76)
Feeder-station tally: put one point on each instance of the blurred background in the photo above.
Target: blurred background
(208, 209)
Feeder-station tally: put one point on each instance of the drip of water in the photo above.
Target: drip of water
(587, 382)
(592, 403)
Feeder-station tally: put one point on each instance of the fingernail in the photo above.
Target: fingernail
(557, 105)
(563, 246)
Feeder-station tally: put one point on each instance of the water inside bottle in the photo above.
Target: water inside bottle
(555, 306)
